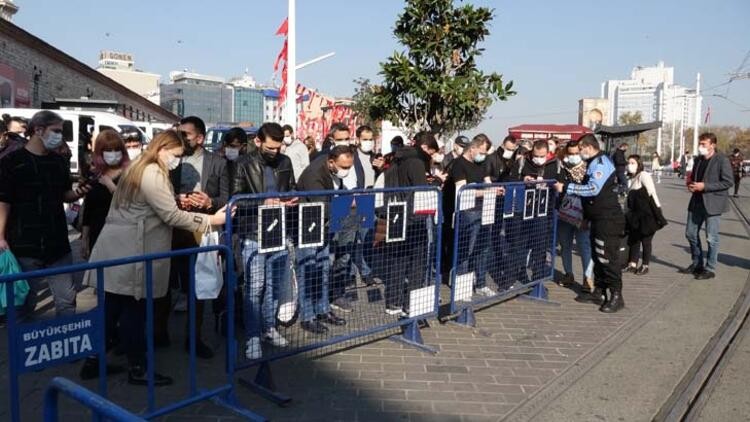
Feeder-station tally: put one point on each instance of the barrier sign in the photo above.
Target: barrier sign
(50, 343)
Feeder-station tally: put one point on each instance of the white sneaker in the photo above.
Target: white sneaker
(253, 350)
(181, 303)
(486, 291)
(275, 338)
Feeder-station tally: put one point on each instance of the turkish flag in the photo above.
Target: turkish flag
(280, 57)
(284, 28)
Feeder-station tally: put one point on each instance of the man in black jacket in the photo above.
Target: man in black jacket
(201, 183)
(536, 232)
(621, 163)
(326, 173)
(267, 273)
(500, 167)
(500, 164)
(408, 261)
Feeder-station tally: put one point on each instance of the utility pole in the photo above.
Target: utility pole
(660, 117)
(290, 108)
(697, 111)
(671, 160)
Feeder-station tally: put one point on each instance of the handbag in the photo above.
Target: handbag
(9, 265)
(571, 210)
(209, 274)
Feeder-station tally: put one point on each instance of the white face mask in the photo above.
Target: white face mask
(632, 168)
(573, 159)
(342, 173)
(438, 158)
(288, 140)
(508, 153)
(231, 153)
(552, 147)
(112, 158)
(366, 146)
(539, 160)
(172, 162)
(585, 156)
(53, 140)
(133, 153)
(341, 143)
(703, 151)
(458, 150)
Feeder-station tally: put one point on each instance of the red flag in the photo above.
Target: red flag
(284, 28)
(708, 116)
(282, 90)
(280, 57)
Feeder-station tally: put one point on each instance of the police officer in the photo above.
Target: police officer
(598, 192)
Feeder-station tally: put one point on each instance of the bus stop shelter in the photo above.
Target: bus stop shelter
(611, 136)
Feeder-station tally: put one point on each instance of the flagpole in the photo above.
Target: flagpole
(290, 108)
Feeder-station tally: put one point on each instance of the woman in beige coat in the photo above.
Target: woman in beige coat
(140, 222)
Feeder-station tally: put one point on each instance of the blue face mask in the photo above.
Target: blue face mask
(480, 158)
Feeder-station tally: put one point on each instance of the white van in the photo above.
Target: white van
(81, 127)
(151, 129)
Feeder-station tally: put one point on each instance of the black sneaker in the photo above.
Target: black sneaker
(314, 327)
(90, 369)
(705, 275)
(201, 349)
(566, 280)
(369, 281)
(692, 269)
(643, 270)
(137, 376)
(342, 304)
(331, 318)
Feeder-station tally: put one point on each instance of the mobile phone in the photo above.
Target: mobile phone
(92, 178)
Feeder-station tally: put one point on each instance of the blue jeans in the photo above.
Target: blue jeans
(565, 234)
(313, 269)
(696, 218)
(362, 252)
(473, 245)
(261, 297)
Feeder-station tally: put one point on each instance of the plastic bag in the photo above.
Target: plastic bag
(9, 265)
(209, 274)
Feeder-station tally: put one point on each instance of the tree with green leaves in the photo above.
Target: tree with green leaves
(364, 102)
(634, 118)
(434, 84)
(630, 118)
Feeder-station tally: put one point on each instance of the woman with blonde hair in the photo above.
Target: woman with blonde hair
(140, 221)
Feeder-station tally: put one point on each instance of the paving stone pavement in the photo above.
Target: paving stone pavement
(481, 374)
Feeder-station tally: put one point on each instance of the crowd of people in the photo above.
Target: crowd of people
(142, 199)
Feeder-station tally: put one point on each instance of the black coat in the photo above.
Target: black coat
(249, 175)
(500, 169)
(618, 158)
(643, 218)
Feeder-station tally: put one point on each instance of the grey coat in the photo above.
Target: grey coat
(718, 179)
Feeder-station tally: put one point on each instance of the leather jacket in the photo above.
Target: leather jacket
(249, 175)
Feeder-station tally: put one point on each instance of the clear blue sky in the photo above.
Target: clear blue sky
(555, 51)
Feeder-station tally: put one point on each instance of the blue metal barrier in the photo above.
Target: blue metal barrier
(98, 404)
(326, 267)
(38, 345)
(505, 232)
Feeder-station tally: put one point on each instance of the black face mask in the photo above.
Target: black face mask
(268, 157)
